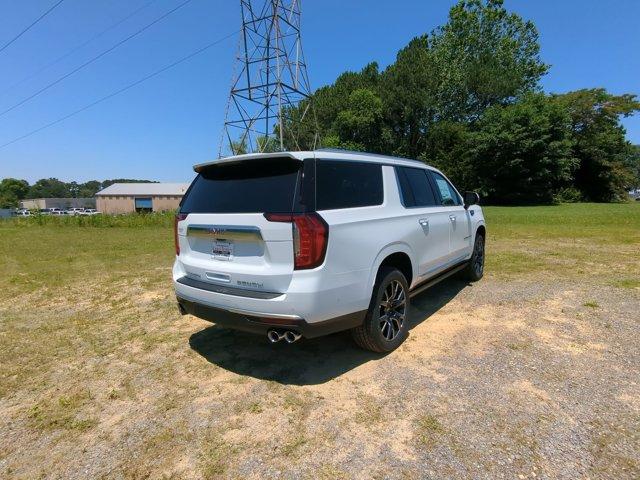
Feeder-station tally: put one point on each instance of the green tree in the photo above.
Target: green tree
(599, 141)
(359, 126)
(632, 162)
(522, 153)
(313, 120)
(49, 188)
(239, 147)
(484, 56)
(12, 191)
(409, 89)
(447, 148)
(481, 57)
(268, 144)
(89, 189)
(14, 187)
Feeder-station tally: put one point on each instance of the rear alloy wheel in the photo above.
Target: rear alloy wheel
(386, 324)
(475, 269)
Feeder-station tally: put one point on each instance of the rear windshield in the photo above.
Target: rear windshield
(256, 186)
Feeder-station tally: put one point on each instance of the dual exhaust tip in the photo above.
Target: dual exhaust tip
(289, 336)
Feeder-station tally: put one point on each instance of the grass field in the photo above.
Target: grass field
(533, 371)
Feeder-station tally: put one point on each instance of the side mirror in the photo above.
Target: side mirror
(471, 198)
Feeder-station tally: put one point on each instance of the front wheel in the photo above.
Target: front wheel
(387, 322)
(475, 268)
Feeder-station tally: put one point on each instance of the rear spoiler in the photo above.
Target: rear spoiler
(250, 157)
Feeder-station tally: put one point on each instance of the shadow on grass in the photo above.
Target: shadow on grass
(307, 362)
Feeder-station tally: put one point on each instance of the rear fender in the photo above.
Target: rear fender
(396, 247)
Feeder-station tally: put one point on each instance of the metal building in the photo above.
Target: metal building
(140, 197)
(62, 203)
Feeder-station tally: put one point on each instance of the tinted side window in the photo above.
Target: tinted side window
(348, 184)
(415, 187)
(448, 195)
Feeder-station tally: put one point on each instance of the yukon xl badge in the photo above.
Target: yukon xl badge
(242, 283)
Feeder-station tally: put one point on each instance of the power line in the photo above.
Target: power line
(90, 61)
(31, 25)
(121, 90)
(75, 49)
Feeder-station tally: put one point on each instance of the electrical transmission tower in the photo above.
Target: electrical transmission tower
(272, 79)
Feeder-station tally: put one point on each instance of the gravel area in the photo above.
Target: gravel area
(534, 378)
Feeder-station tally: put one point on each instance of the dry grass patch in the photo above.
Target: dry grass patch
(429, 430)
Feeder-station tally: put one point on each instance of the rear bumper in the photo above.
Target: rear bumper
(254, 322)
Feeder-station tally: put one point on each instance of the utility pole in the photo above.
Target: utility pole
(271, 79)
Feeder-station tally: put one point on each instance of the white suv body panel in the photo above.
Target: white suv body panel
(434, 239)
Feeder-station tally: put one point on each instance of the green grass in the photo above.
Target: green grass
(51, 257)
(573, 220)
(162, 219)
(89, 327)
(587, 241)
(50, 254)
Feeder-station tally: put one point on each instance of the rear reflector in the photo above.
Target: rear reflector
(310, 237)
(178, 218)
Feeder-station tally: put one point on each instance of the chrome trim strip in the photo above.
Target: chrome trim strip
(226, 232)
(228, 289)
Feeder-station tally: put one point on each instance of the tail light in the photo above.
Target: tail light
(310, 238)
(178, 218)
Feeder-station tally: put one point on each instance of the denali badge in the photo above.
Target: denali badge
(250, 284)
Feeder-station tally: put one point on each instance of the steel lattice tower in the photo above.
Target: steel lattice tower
(271, 79)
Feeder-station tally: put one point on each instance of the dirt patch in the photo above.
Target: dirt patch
(497, 380)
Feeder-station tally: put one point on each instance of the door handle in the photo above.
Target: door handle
(452, 218)
(424, 225)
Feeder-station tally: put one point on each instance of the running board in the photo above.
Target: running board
(438, 278)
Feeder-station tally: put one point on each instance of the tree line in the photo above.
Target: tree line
(12, 190)
(467, 99)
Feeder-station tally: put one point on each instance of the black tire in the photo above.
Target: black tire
(386, 325)
(475, 268)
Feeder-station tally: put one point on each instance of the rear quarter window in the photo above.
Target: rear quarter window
(342, 184)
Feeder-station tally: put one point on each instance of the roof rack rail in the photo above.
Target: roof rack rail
(355, 152)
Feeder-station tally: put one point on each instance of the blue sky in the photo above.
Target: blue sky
(159, 129)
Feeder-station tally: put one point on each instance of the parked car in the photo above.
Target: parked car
(89, 211)
(57, 212)
(303, 244)
(21, 212)
(75, 211)
(50, 211)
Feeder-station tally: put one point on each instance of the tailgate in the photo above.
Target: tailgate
(240, 250)
(223, 234)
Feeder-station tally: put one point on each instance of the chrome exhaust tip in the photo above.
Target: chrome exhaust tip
(274, 336)
(291, 337)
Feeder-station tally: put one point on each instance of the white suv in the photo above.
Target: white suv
(303, 244)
